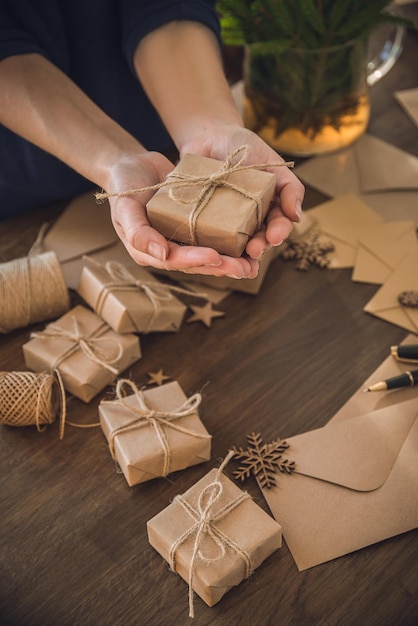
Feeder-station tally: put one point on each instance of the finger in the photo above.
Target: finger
(131, 223)
(258, 244)
(291, 193)
(278, 228)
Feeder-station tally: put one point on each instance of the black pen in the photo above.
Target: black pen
(407, 379)
(406, 353)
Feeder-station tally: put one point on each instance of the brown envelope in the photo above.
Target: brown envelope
(361, 402)
(378, 255)
(344, 221)
(408, 99)
(356, 483)
(84, 228)
(369, 165)
(384, 303)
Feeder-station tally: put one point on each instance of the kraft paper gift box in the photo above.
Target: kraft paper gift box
(154, 432)
(84, 349)
(247, 533)
(222, 217)
(130, 299)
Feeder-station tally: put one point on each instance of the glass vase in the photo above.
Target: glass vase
(305, 102)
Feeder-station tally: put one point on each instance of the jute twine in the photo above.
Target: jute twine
(205, 519)
(32, 289)
(121, 279)
(143, 415)
(207, 185)
(32, 399)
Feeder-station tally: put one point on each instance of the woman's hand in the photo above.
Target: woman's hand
(146, 245)
(218, 142)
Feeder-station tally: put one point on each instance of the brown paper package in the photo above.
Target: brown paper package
(228, 220)
(81, 375)
(247, 525)
(128, 309)
(138, 452)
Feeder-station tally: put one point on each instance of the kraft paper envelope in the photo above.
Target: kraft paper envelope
(369, 165)
(356, 483)
(361, 402)
(344, 221)
(385, 304)
(84, 228)
(378, 255)
(394, 205)
(408, 99)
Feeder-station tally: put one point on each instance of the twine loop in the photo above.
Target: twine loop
(205, 525)
(91, 345)
(143, 415)
(208, 184)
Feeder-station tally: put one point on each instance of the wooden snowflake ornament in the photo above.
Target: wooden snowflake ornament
(312, 250)
(263, 460)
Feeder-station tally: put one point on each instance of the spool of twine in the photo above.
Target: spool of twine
(32, 289)
(31, 399)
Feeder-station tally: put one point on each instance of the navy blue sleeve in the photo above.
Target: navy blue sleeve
(140, 17)
(28, 27)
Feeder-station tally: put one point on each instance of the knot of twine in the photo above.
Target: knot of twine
(91, 345)
(143, 415)
(205, 525)
(32, 399)
(32, 289)
(208, 184)
(123, 280)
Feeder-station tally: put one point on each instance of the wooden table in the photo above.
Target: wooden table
(74, 548)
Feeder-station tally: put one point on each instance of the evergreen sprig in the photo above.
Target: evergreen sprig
(302, 24)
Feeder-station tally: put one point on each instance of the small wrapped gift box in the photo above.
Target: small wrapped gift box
(130, 300)
(84, 349)
(214, 536)
(154, 432)
(212, 203)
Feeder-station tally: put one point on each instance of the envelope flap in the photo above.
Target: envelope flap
(356, 453)
(83, 227)
(393, 168)
(403, 278)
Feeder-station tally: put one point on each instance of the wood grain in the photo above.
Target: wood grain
(74, 549)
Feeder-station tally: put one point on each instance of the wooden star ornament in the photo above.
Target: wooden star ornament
(157, 378)
(263, 460)
(204, 314)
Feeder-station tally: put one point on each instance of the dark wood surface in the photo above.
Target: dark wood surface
(74, 548)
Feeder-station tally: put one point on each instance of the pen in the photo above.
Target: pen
(407, 379)
(408, 354)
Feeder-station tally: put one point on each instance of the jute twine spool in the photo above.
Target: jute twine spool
(31, 399)
(32, 289)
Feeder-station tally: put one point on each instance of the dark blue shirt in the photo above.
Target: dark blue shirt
(93, 42)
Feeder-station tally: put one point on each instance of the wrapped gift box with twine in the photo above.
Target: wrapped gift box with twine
(214, 536)
(219, 204)
(154, 432)
(130, 299)
(87, 353)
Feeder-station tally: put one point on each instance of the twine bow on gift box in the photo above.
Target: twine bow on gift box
(207, 184)
(91, 345)
(123, 280)
(205, 519)
(143, 415)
